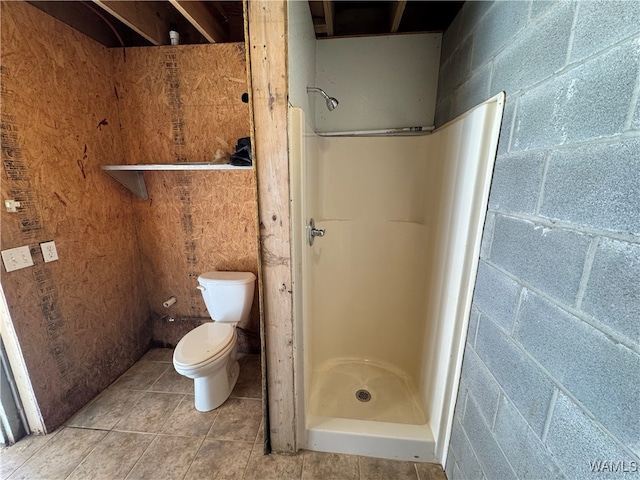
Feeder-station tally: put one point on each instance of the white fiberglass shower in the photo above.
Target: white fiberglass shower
(382, 300)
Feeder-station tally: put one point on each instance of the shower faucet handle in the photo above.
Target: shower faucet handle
(313, 232)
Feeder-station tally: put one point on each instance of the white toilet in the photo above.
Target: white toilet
(208, 353)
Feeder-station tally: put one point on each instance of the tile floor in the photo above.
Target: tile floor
(144, 426)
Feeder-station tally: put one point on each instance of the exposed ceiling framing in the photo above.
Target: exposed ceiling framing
(147, 23)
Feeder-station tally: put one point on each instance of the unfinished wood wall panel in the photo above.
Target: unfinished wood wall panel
(268, 69)
(181, 103)
(184, 104)
(82, 320)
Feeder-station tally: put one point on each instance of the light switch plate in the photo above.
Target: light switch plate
(17, 258)
(49, 251)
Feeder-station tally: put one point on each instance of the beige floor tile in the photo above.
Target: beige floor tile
(430, 471)
(325, 466)
(260, 436)
(238, 419)
(15, 455)
(273, 467)
(58, 457)
(107, 409)
(187, 421)
(218, 459)
(141, 375)
(172, 381)
(249, 383)
(113, 458)
(150, 413)
(167, 458)
(158, 355)
(383, 469)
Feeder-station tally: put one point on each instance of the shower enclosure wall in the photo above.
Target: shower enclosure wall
(382, 299)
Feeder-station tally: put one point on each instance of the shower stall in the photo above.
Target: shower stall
(382, 299)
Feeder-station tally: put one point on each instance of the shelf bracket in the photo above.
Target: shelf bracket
(131, 179)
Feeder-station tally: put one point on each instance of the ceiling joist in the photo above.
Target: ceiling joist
(199, 15)
(142, 17)
(328, 16)
(397, 10)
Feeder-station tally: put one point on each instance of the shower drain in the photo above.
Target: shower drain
(363, 395)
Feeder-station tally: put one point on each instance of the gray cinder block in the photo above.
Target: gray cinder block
(522, 447)
(455, 71)
(465, 458)
(507, 122)
(473, 326)
(539, 7)
(491, 459)
(527, 387)
(587, 102)
(516, 182)
(577, 443)
(613, 290)
(496, 295)
(635, 121)
(487, 234)
(443, 111)
(550, 259)
(596, 185)
(536, 54)
(601, 374)
(602, 23)
(497, 28)
(451, 461)
(472, 92)
(480, 384)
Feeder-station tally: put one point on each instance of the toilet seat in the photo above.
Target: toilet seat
(203, 344)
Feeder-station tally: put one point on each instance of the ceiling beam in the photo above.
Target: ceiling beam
(199, 15)
(143, 17)
(328, 16)
(397, 10)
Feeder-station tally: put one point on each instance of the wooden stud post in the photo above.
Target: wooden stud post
(267, 44)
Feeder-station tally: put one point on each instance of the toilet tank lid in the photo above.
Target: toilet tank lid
(226, 277)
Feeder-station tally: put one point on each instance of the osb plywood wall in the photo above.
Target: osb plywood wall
(184, 104)
(82, 320)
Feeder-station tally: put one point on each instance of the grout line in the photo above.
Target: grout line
(586, 271)
(141, 455)
(516, 313)
(547, 423)
(512, 128)
(572, 33)
(543, 181)
(635, 99)
(568, 226)
(489, 235)
(194, 457)
(492, 426)
(89, 453)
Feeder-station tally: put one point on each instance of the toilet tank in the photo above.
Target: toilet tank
(227, 295)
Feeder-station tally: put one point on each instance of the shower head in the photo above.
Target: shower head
(332, 103)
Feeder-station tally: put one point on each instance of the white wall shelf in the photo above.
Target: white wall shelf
(132, 177)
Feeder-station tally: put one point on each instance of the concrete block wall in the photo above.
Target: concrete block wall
(550, 384)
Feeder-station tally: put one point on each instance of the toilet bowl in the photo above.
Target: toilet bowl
(208, 353)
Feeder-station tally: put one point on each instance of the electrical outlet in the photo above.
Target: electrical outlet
(49, 251)
(17, 258)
